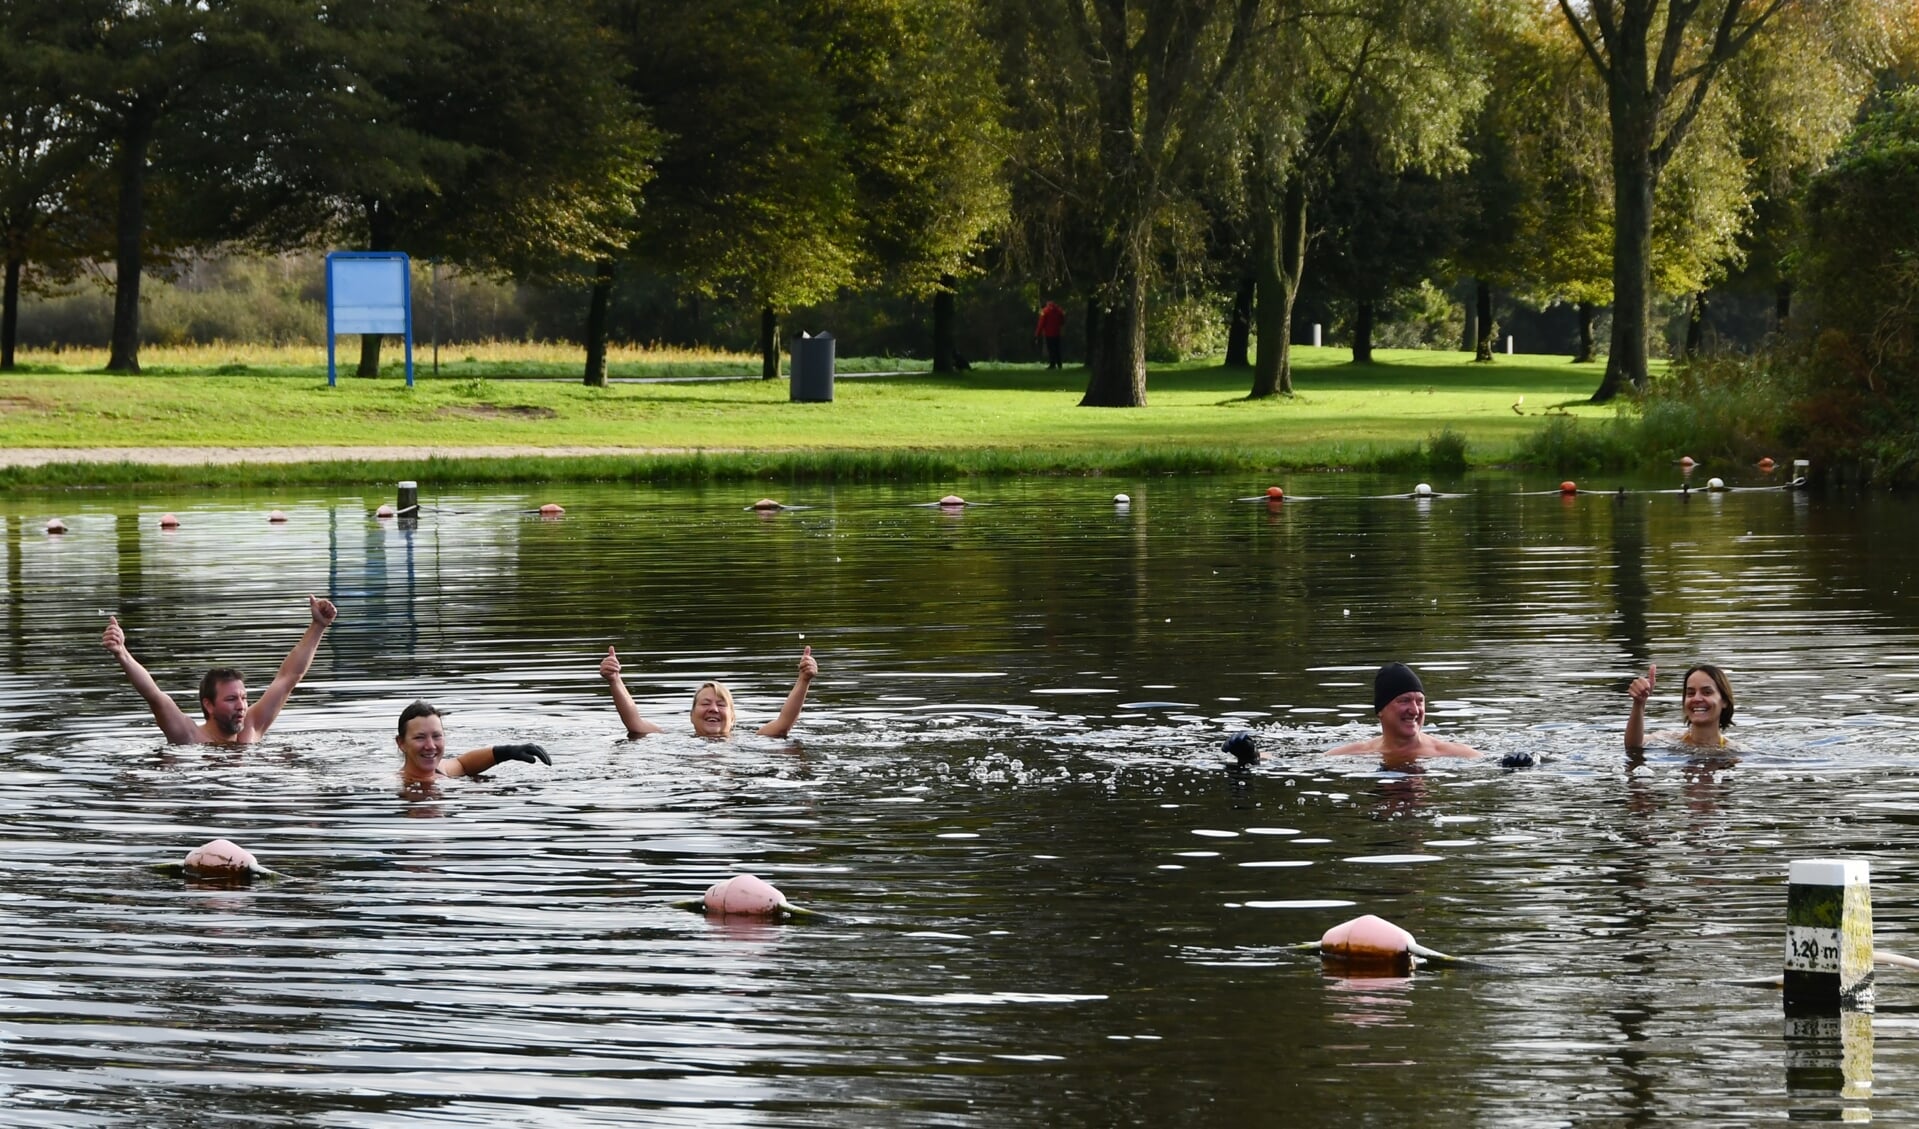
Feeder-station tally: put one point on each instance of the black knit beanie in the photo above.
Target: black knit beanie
(1393, 680)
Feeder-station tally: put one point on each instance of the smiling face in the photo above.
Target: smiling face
(227, 708)
(423, 744)
(1403, 716)
(713, 711)
(1708, 699)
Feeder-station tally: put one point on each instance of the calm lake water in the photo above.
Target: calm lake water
(1049, 902)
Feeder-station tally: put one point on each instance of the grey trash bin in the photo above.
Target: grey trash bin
(812, 380)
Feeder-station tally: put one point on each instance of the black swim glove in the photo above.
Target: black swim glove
(1242, 748)
(1519, 760)
(527, 753)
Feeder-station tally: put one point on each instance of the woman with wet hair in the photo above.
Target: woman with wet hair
(1708, 704)
(712, 702)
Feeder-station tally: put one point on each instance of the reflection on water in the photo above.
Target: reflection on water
(1049, 901)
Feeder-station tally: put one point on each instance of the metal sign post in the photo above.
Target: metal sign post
(368, 292)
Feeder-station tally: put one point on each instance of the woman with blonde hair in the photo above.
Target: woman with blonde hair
(712, 702)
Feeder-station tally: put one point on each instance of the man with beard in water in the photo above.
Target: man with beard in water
(1400, 701)
(228, 719)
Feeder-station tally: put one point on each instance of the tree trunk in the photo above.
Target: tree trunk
(1696, 326)
(769, 344)
(1363, 333)
(1585, 312)
(129, 237)
(10, 314)
(1118, 378)
(1280, 252)
(1092, 333)
(380, 237)
(1487, 328)
(1239, 330)
(1781, 305)
(945, 315)
(1633, 114)
(596, 309)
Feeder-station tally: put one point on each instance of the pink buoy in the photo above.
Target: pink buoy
(766, 504)
(552, 509)
(168, 521)
(744, 894)
(276, 517)
(1369, 944)
(55, 525)
(384, 511)
(1686, 460)
(952, 500)
(221, 857)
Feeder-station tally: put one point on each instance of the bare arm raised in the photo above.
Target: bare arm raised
(636, 726)
(795, 699)
(261, 714)
(173, 721)
(1639, 691)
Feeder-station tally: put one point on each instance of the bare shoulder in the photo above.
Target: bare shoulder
(1367, 747)
(1452, 749)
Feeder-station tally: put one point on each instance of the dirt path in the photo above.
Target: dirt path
(197, 456)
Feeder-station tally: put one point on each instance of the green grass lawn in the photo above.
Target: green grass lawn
(1343, 414)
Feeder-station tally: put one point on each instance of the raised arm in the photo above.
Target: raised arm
(636, 726)
(261, 714)
(1640, 690)
(795, 699)
(166, 712)
(477, 761)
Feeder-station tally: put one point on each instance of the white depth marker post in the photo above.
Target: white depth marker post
(1829, 934)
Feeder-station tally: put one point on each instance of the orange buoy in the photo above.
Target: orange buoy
(221, 856)
(276, 516)
(168, 521)
(1369, 944)
(1275, 493)
(744, 894)
(952, 500)
(552, 509)
(55, 525)
(1686, 460)
(1569, 487)
(1766, 464)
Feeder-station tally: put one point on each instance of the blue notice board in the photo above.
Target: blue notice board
(368, 292)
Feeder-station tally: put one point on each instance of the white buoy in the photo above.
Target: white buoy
(1715, 484)
(1122, 500)
(1829, 934)
(1423, 490)
(55, 525)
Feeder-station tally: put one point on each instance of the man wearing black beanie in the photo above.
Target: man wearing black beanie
(1400, 701)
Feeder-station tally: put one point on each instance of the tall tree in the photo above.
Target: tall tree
(46, 147)
(494, 134)
(1405, 71)
(162, 79)
(1660, 60)
(1138, 83)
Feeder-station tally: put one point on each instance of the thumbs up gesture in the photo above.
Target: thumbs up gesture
(113, 638)
(1641, 688)
(809, 666)
(610, 666)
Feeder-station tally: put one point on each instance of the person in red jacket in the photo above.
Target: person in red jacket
(1052, 320)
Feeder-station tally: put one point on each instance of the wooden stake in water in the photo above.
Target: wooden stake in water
(1829, 934)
